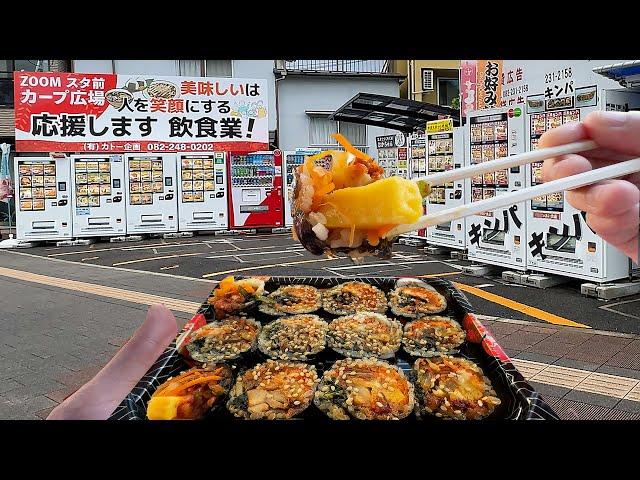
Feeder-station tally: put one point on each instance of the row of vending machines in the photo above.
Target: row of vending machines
(545, 234)
(105, 195)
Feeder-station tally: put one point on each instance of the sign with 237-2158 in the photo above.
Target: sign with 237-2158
(99, 113)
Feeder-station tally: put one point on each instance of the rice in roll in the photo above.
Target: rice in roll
(225, 340)
(365, 334)
(234, 296)
(352, 297)
(453, 388)
(297, 337)
(291, 299)
(432, 335)
(364, 389)
(274, 390)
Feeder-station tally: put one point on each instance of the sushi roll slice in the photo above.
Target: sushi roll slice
(352, 297)
(453, 388)
(224, 340)
(432, 335)
(291, 299)
(273, 390)
(365, 334)
(364, 389)
(293, 338)
(414, 299)
(190, 395)
(234, 296)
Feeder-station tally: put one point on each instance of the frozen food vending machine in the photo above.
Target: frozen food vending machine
(43, 193)
(417, 167)
(559, 239)
(292, 160)
(98, 188)
(393, 155)
(445, 151)
(255, 186)
(497, 237)
(202, 191)
(152, 198)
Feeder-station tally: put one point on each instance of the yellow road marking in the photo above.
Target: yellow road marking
(102, 290)
(519, 307)
(434, 275)
(273, 265)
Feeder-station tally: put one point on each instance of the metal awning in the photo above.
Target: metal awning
(626, 74)
(392, 112)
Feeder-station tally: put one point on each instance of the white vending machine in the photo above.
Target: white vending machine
(99, 207)
(291, 161)
(417, 167)
(152, 193)
(559, 239)
(393, 155)
(497, 237)
(445, 151)
(202, 191)
(43, 193)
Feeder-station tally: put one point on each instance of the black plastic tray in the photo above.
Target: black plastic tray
(519, 400)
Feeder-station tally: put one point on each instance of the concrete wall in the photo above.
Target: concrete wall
(298, 94)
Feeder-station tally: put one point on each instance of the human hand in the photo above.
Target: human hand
(99, 397)
(612, 206)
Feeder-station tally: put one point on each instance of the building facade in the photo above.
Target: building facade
(430, 81)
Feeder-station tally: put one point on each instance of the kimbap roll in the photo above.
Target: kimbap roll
(224, 340)
(414, 299)
(293, 338)
(453, 388)
(364, 389)
(234, 296)
(190, 395)
(352, 297)
(291, 299)
(273, 390)
(428, 336)
(365, 334)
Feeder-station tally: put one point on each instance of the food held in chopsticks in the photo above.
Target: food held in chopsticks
(273, 390)
(365, 389)
(291, 299)
(232, 296)
(415, 298)
(190, 395)
(297, 337)
(228, 339)
(453, 388)
(432, 335)
(345, 205)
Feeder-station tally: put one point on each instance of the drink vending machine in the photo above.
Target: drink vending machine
(497, 237)
(292, 160)
(43, 193)
(152, 203)
(255, 186)
(559, 239)
(98, 195)
(445, 151)
(202, 191)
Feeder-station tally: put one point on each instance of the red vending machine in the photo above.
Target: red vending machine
(255, 190)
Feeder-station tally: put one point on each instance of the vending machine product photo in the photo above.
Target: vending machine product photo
(255, 190)
(497, 237)
(43, 198)
(152, 195)
(202, 191)
(445, 151)
(98, 186)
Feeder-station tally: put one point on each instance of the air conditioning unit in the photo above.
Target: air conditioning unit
(427, 80)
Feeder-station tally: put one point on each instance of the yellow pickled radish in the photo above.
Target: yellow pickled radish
(389, 201)
(163, 408)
